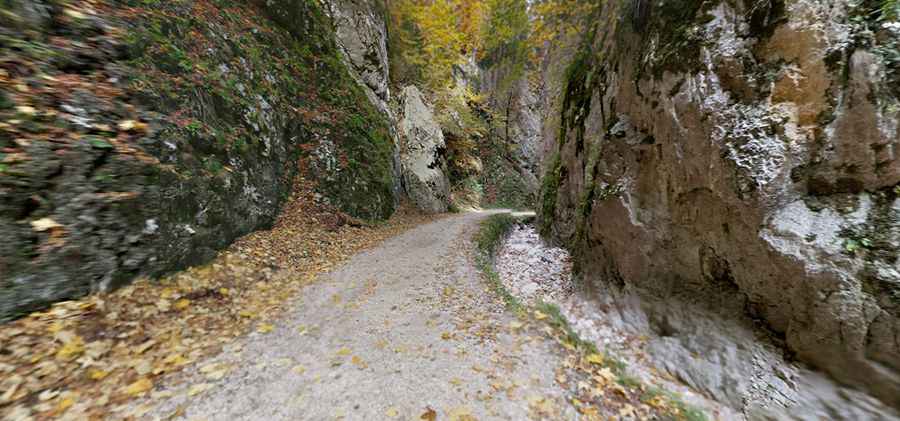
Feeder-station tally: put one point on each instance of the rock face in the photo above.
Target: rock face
(741, 156)
(422, 153)
(522, 108)
(361, 33)
(362, 36)
(146, 144)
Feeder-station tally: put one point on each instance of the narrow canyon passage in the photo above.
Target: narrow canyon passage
(314, 210)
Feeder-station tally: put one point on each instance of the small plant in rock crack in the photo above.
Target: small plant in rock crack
(559, 321)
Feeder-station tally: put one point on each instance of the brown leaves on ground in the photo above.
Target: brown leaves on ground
(598, 386)
(87, 359)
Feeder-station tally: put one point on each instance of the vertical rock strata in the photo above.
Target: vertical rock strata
(742, 156)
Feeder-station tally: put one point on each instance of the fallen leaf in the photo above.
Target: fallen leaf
(44, 224)
(357, 361)
(24, 109)
(176, 359)
(138, 387)
(182, 304)
(64, 404)
(539, 315)
(144, 346)
(344, 351)
(265, 328)
(97, 374)
(132, 125)
(142, 366)
(429, 414)
(392, 412)
(198, 389)
(71, 349)
(75, 14)
(595, 359)
(461, 414)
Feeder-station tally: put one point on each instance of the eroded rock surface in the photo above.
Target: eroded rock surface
(361, 34)
(741, 158)
(422, 153)
(141, 142)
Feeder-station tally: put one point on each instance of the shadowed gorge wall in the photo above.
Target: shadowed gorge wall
(746, 150)
(140, 137)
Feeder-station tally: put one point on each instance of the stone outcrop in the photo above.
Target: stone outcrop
(139, 143)
(361, 33)
(741, 156)
(422, 153)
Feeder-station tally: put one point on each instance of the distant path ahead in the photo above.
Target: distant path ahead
(398, 329)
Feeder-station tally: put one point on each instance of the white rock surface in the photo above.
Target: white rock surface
(421, 153)
(728, 368)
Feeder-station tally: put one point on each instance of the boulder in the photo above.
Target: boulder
(422, 152)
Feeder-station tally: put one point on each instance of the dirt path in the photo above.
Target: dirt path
(398, 331)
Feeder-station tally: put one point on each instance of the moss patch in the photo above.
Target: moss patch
(490, 236)
(549, 192)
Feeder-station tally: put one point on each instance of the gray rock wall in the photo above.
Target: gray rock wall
(422, 153)
(745, 151)
(143, 145)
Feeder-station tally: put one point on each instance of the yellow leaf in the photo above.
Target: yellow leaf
(595, 359)
(539, 315)
(64, 404)
(224, 291)
(182, 304)
(344, 351)
(446, 335)
(299, 369)
(199, 388)
(71, 349)
(514, 325)
(246, 313)
(265, 328)
(176, 359)
(97, 374)
(139, 387)
(392, 412)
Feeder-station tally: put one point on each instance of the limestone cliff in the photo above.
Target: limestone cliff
(422, 153)
(140, 137)
(742, 156)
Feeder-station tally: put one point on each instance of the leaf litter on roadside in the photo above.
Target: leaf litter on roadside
(88, 358)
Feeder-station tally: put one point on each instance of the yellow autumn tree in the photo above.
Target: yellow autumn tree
(430, 40)
(553, 20)
(470, 20)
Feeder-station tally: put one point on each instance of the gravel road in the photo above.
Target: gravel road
(397, 332)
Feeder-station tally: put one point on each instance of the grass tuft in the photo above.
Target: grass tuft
(493, 230)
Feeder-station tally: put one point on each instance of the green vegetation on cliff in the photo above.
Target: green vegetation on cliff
(139, 137)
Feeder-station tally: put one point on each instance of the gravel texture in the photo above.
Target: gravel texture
(398, 331)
